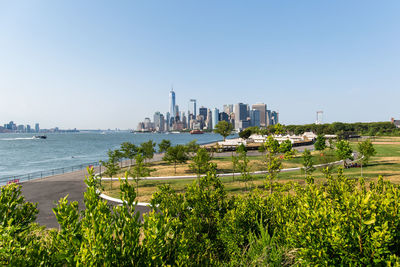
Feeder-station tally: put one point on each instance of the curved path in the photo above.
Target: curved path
(47, 191)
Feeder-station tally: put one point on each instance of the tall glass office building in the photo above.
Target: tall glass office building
(215, 117)
(172, 111)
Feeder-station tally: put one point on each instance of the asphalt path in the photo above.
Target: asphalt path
(48, 191)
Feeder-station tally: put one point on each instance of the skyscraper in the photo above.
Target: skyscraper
(37, 128)
(240, 114)
(263, 113)
(203, 112)
(255, 117)
(172, 104)
(192, 107)
(269, 118)
(215, 117)
(275, 117)
(209, 119)
(159, 121)
(228, 109)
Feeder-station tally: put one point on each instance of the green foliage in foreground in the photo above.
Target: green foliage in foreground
(341, 223)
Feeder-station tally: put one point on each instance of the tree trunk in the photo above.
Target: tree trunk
(137, 186)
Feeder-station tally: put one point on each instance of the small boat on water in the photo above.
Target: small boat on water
(196, 132)
(40, 137)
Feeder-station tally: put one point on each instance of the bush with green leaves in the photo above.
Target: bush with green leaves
(342, 222)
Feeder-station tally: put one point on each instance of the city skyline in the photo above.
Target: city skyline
(113, 63)
(240, 115)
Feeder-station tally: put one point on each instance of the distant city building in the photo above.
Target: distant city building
(159, 121)
(228, 109)
(203, 112)
(243, 125)
(202, 117)
(240, 111)
(209, 119)
(215, 117)
(11, 126)
(223, 117)
(184, 121)
(192, 108)
(148, 125)
(172, 103)
(262, 108)
(269, 117)
(28, 128)
(255, 117)
(274, 117)
(21, 128)
(168, 121)
(177, 114)
(37, 128)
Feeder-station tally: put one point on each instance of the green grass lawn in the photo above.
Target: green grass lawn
(385, 163)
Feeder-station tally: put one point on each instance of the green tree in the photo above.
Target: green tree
(285, 147)
(147, 149)
(344, 151)
(320, 143)
(139, 170)
(192, 146)
(111, 165)
(176, 154)
(246, 133)
(274, 158)
(308, 163)
(129, 150)
(366, 150)
(242, 164)
(223, 128)
(118, 155)
(164, 145)
(279, 129)
(201, 161)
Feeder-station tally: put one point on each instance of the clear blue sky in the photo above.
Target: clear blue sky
(108, 64)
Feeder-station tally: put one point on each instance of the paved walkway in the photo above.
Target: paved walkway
(47, 191)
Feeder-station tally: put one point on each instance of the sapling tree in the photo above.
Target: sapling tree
(129, 150)
(242, 164)
(308, 163)
(274, 158)
(344, 151)
(192, 146)
(366, 150)
(234, 159)
(118, 155)
(201, 161)
(176, 154)
(164, 145)
(111, 165)
(139, 170)
(147, 149)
